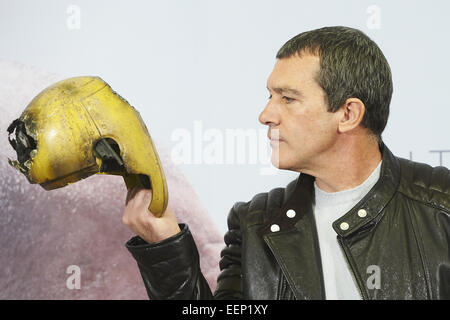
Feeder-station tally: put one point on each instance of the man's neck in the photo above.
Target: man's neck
(349, 166)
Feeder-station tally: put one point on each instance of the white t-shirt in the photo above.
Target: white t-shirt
(338, 278)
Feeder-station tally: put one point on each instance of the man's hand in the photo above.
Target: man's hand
(142, 222)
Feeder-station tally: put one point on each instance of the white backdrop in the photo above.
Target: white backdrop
(200, 68)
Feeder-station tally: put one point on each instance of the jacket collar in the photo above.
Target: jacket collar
(369, 208)
(301, 197)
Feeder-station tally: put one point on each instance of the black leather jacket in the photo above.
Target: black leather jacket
(405, 232)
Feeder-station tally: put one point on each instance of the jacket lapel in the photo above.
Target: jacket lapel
(295, 245)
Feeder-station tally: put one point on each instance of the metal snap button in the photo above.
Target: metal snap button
(344, 226)
(362, 213)
(274, 228)
(290, 213)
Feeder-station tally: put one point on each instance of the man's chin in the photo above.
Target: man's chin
(279, 164)
(278, 158)
(284, 164)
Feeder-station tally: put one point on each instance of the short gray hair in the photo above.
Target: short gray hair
(351, 66)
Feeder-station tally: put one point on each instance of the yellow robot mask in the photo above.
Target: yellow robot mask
(79, 127)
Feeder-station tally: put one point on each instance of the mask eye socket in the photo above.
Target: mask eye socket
(24, 144)
(108, 150)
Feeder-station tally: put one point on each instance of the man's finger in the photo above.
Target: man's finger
(144, 195)
(131, 194)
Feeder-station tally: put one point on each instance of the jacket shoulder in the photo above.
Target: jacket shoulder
(424, 183)
(261, 205)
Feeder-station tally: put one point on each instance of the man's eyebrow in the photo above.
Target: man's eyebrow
(286, 90)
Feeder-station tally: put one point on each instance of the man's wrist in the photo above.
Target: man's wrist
(139, 241)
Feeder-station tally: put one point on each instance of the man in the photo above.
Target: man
(357, 223)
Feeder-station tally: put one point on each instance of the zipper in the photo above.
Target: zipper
(359, 285)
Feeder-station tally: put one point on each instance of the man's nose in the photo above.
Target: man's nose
(269, 116)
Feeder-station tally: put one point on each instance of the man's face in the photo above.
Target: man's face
(297, 110)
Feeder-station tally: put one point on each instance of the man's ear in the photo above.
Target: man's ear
(352, 114)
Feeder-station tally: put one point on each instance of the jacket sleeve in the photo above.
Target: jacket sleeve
(229, 282)
(170, 268)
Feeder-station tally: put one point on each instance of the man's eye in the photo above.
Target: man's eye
(270, 97)
(287, 99)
